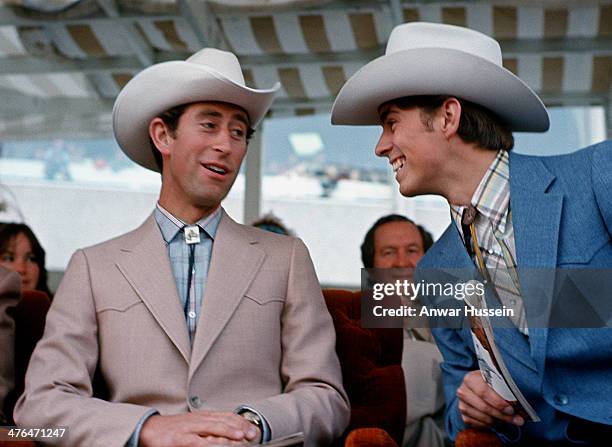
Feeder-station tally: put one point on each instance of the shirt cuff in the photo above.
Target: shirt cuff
(133, 441)
(266, 433)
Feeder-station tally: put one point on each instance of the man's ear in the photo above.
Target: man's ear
(160, 135)
(451, 115)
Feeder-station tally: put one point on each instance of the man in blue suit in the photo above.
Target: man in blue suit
(447, 109)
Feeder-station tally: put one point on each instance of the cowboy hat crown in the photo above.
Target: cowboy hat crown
(437, 59)
(208, 75)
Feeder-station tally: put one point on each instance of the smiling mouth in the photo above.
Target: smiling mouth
(216, 169)
(398, 164)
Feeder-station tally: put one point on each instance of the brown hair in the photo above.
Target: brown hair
(368, 249)
(476, 124)
(9, 231)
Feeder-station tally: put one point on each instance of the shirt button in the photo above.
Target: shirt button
(490, 251)
(195, 401)
(561, 399)
(192, 314)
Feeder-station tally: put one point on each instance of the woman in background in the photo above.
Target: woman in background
(20, 251)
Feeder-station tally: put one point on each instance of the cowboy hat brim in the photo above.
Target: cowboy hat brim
(439, 71)
(170, 84)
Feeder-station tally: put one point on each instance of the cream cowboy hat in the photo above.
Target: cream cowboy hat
(208, 75)
(435, 59)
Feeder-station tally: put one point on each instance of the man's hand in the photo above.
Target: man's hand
(480, 406)
(202, 428)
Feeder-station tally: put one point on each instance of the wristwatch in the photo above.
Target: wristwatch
(254, 419)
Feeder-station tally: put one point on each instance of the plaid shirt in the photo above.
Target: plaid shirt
(178, 252)
(495, 234)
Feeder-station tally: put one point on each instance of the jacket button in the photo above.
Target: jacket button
(195, 401)
(561, 399)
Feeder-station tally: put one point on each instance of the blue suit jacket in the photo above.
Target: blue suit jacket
(562, 217)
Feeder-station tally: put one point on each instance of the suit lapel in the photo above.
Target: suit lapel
(536, 216)
(146, 267)
(450, 251)
(234, 263)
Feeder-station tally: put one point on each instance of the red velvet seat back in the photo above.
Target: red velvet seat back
(371, 366)
(30, 315)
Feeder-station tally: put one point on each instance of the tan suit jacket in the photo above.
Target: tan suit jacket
(264, 339)
(10, 285)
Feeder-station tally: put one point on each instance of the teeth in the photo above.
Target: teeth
(216, 169)
(398, 164)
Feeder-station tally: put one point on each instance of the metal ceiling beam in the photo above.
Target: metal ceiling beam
(193, 19)
(573, 99)
(608, 114)
(350, 5)
(511, 48)
(16, 105)
(15, 65)
(565, 99)
(596, 45)
(37, 127)
(287, 60)
(397, 12)
(8, 17)
(140, 46)
(27, 65)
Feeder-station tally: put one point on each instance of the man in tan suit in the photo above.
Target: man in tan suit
(205, 331)
(9, 297)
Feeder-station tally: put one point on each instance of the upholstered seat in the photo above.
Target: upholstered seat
(372, 373)
(29, 315)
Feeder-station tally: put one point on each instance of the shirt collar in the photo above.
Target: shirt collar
(171, 225)
(492, 196)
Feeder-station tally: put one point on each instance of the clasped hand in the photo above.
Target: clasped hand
(198, 429)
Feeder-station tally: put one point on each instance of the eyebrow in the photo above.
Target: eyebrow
(413, 244)
(236, 116)
(391, 245)
(384, 114)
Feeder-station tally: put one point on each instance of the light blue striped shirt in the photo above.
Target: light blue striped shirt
(178, 252)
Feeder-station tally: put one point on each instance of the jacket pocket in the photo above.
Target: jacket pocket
(119, 304)
(265, 299)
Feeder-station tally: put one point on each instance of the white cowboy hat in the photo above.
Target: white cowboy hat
(208, 75)
(436, 59)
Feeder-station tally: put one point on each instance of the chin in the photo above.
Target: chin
(413, 189)
(208, 202)
(209, 199)
(407, 191)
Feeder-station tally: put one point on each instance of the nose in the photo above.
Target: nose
(223, 141)
(20, 266)
(384, 145)
(403, 261)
